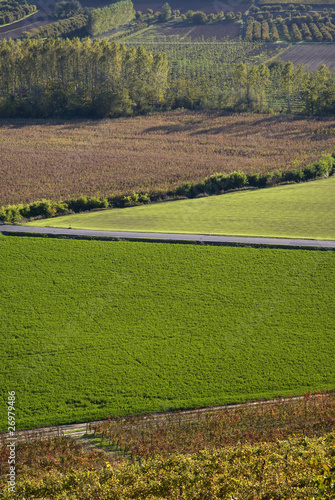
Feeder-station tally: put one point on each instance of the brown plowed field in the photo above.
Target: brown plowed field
(311, 55)
(59, 160)
(15, 30)
(227, 31)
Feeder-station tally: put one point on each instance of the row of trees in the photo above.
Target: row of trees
(47, 78)
(294, 29)
(59, 77)
(195, 17)
(256, 85)
(73, 26)
(11, 11)
(110, 17)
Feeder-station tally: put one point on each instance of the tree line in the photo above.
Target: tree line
(11, 11)
(77, 78)
(110, 17)
(45, 78)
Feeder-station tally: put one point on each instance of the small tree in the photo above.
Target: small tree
(199, 18)
(165, 13)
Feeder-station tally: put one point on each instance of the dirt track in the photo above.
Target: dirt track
(15, 30)
(79, 430)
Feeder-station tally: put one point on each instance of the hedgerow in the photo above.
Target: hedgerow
(215, 184)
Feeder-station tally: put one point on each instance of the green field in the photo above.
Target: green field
(295, 211)
(91, 328)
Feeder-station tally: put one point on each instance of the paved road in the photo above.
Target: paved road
(224, 240)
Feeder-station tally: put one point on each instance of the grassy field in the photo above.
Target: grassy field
(95, 328)
(62, 159)
(296, 211)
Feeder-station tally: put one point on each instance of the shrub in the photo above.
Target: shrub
(10, 214)
(253, 180)
(237, 180)
(293, 175)
(310, 171)
(199, 18)
(325, 165)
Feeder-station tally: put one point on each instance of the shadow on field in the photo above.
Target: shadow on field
(70, 124)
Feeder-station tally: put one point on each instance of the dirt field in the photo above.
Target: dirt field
(15, 30)
(58, 159)
(184, 31)
(311, 55)
(219, 31)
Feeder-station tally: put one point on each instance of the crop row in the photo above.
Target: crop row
(291, 31)
(298, 468)
(182, 432)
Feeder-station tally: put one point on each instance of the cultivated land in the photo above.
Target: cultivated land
(98, 328)
(183, 32)
(59, 160)
(293, 211)
(311, 55)
(283, 469)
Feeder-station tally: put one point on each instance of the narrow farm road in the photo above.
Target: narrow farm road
(198, 238)
(79, 430)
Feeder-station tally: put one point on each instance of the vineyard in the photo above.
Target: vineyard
(149, 153)
(295, 469)
(173, 326)
(190, 432)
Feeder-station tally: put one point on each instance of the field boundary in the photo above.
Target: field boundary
(202, 239)
(80, 429)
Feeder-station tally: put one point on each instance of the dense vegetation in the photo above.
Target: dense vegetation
(294, 211)
(71, 27)
(11, 11)
(298, 468)
(85, 78)
(215, 184)
(292, 28)
(108, 18)
(172, 326)
(63, 77)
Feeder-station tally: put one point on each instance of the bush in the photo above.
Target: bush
(237, 180)
(325, 166)
(10, 214)
(310, 172)
(253, 180)
(83, 203)
(293, 175)
(199, 18)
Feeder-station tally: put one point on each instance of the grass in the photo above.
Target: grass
(295, 211)
(95, 328)
(59, 160)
